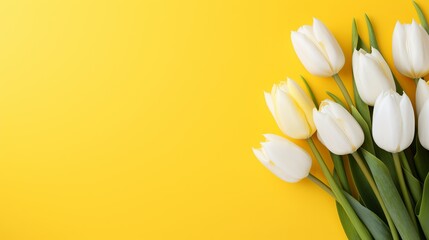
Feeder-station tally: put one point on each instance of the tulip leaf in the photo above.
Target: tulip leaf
(361, 106)
(364, 189)
(422, 209)
(421, 159)
(336, 99)
(413, 184)
(375, 225)
(391, 197)
(313, 97)
(348, 227)
(371, 33)
(341, 172)
(421, 17)
(357, 42)
(368, 143)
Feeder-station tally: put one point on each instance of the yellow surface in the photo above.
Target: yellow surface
(135, 119)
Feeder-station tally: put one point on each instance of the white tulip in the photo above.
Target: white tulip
(411, 49)
(283, 158)
(318, 49)
(393, 121)
(337, 129)
(372, 75)
(292, 109)
(422, 94)
(423, 126)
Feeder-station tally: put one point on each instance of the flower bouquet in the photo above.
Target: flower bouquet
(378, 143)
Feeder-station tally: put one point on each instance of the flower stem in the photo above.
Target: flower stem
(374, 188)
(322, 185)
(343, 89)
(404, 189)
(416, 80)
(338, 192)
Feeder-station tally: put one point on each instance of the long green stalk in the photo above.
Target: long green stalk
(359, 226)
(403, 186)
(343, 90)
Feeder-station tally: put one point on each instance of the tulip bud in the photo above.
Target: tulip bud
(283, 158)
(422, 94)
(423, 126)
(292, 109)
(372, 75)
(411, 49)
(318, 49)
(337, 129)
(393, 121)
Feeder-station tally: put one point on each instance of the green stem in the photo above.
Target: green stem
(416, 80)
(343, 89)
(374, 188)
(404, 189)
(341, 172)
(359, 226)
(322, 185)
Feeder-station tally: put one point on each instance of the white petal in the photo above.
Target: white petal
(424, 126)
(408, 122)
(399, 50)
(386, 125)
(347, 123)
(269, 102)
(260, 155)
(293, 161)
(310, 55)
(303, 101)
(422, 94)
(418, 45)
(329, 43)
(331, 135)
(372, 79)
(290, 118)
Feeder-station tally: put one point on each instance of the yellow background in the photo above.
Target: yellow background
(135, 119)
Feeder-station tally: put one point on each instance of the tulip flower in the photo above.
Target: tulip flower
(318, 49)
(372, 75)
(393, 121)
(284, 158)
(422, 94)
(411, 50)
(337, 129)
(292, 109)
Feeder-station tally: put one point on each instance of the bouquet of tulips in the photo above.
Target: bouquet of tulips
(378, 143)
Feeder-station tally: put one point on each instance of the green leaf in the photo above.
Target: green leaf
(357, 42)
(391, 197)
(413, 184)
(421, 159)
(313, 97)
(341, 172)
(421, 17)
(422, 209)
(375, 225)
(399, 88)
(364, 189)
(336, 99)
(348, 227)
(368, 143)
(371, 33)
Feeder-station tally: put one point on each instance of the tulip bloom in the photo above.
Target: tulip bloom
(372, 75)
(411, 49)
(283, 158)
(318, 49)
(292, 109)
(393, 121)
(337, 129)
(422, 94)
